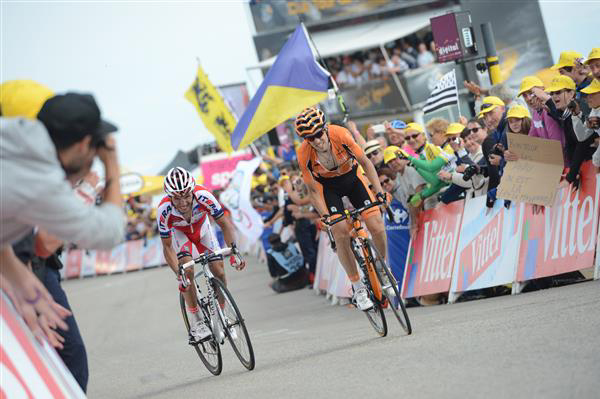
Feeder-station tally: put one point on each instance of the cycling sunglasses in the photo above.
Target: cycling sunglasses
(317, 135)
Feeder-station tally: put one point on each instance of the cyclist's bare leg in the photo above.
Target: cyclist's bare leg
(218, 270)
(341, 234)
(376, 227)
(191, 300)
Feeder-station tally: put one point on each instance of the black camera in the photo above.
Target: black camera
(473, 170)
(498, 149)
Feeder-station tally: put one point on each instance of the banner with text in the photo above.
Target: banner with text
(488, 248)
(431, 254)
(398, 239)
(217, 169)
(563, 238)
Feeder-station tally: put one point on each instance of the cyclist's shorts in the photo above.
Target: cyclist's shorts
(203, 238)
(353, 185)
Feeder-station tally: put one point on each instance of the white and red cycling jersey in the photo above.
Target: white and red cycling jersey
(198, 230)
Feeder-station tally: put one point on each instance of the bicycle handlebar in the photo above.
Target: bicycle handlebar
(357, 211)
(204, 259)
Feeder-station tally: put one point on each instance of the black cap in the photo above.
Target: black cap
(72, 116)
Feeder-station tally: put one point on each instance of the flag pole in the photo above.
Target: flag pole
(336, 89)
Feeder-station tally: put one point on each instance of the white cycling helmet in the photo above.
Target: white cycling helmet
(179, 181)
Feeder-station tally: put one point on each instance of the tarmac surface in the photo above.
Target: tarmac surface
(543, 344)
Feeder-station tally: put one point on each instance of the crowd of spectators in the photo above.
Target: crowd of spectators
(141, 218)
(445, 161)
(403, 55)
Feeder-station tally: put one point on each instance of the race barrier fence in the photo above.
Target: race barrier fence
(464, 246)
(30, 368)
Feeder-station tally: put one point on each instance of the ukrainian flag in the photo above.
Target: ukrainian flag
(294, 82)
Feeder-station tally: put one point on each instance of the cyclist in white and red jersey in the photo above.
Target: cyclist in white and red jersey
(183, 221)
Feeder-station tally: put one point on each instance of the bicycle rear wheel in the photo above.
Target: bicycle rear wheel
(375, 315)
(234, 326)
(394, 299)
(209, 351)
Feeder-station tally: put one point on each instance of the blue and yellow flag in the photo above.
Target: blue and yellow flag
(212, 110)
(294, 82)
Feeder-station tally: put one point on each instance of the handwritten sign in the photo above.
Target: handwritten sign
(534, 178)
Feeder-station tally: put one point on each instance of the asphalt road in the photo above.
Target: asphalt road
(543, 344)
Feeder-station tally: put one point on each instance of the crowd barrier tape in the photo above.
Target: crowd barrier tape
(28, 368)
(465, 247)
(126, 257)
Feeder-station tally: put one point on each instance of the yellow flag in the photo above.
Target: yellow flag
(212, 109)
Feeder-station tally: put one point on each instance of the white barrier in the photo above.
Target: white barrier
(28, 368)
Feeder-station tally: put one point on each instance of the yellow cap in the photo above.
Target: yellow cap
(390, 153)
(592, 88)
(518, 111)
(23, 98)
(530, 82)
(594, 55)
(489, 103)
(454, 128)
(559, 83)
(567, 59)
(414, 126)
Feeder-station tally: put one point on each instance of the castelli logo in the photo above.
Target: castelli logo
(439, 241)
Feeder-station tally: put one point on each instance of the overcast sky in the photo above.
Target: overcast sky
(138, 59)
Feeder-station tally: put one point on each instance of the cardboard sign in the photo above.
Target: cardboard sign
(535, 176)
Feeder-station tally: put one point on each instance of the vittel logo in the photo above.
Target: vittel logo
(484, 249)
(448, 49)
(439, 239)
(571, 228)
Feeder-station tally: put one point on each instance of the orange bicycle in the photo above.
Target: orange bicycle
(377, 276)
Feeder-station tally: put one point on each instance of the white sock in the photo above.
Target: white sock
(357, 285)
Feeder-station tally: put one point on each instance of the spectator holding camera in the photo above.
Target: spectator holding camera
(493, 147)
(570, 64)
(590, 130)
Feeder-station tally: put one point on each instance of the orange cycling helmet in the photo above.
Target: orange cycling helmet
(309, 122)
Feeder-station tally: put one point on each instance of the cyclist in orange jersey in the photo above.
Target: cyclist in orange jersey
(329, 159)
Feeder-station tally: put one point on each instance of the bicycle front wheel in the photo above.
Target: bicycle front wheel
(234, 326)
(209, 351)
(393, 295)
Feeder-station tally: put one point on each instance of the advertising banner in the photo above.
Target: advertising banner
(398, 239)
(564, 237)
(432, 251)
(488, 248)
(217, 169)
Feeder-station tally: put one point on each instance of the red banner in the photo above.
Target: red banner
(431, 255)
(563, 238)
(217, 169)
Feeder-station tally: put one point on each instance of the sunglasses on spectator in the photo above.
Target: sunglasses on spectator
(385, 181)
(473, 130)
(412, 136)
(373, 154)
(566, 69)
(317, 135)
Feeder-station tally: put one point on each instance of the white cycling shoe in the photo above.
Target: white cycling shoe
(362, 300)
(199, 332)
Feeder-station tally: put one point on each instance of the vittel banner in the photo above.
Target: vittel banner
(431, 253)
(488, 248)
(564, 237)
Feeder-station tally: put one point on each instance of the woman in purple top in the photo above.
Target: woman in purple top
(542, 124)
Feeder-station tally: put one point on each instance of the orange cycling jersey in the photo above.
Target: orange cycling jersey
(344, 150)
